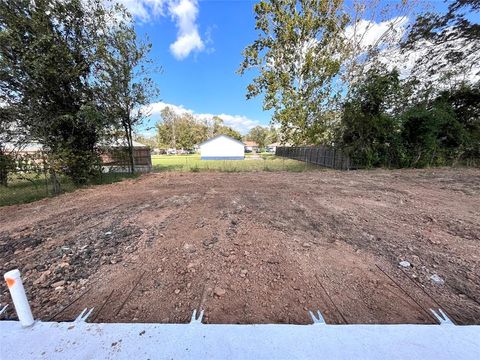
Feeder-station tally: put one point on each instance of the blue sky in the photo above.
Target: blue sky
(205, 80)
(199, 44)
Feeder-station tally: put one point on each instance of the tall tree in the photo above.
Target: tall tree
(47, 61)
(272, 135)
(449, 43)
(369, 127)
(298, 55)
(184, 130)
(258, 134)
(166, 134)
(125, 82)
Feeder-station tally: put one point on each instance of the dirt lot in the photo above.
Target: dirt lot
(253, 247)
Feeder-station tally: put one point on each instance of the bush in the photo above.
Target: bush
(432, 135)
(7, 164)
(369, 133)
(377, 129)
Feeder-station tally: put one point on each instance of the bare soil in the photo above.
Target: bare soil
(253, 247)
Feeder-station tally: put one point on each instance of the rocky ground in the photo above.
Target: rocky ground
(361, 246)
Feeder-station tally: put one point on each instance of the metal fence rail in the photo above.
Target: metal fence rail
(319, 155)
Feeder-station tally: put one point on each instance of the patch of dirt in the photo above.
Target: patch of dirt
(253, 247)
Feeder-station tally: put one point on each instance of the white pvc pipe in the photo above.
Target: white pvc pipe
(19, 298)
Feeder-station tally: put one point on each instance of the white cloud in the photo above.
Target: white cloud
(240, 123)
(367, 34)
(386, 36)
(183, 12)
(435, 64)
(188, 39)
(145, 10)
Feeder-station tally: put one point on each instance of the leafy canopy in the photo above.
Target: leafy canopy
(298, 54)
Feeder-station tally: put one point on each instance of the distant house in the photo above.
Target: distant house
(222, 147)
(250, 146)
(273, 147)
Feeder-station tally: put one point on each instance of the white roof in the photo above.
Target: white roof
(121, 143)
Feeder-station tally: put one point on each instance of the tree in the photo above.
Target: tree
(373, 35)
(258, 134)
(166, 135)
(185, 130)
(47, 60)
(272, 135)
(218, 128)
(150, 141)
(431, 134)
(124, 80)
(465, 102)
(189, 131)
(226, 130)
(180, 130)
(8, 141)
(449, 44)
(298, 55)
(370, 128)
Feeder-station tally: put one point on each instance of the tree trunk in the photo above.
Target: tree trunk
(3, 170)
(3, 176)
(128, 135)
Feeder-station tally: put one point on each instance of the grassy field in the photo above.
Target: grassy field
(28, 188)
(265, 162)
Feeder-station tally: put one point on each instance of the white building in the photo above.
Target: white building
(222, 147)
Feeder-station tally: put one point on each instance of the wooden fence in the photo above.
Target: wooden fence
(319, 155)
(116, 159)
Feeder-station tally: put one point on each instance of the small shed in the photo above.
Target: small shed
(222, 147)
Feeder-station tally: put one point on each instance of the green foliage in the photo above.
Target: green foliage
(184, 130)
(369, 132)
(432, 136)
(298, 53)
(193, 163)
(258, 134)
(150, 141)
(226, 130)
(7, 164)
(73, 73)
(25, 188)
(124, 83)
(179, 130)
(47, 59)
(465, 103)
(378, 130)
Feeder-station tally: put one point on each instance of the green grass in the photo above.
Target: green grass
(266, 162)
(28, 187)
